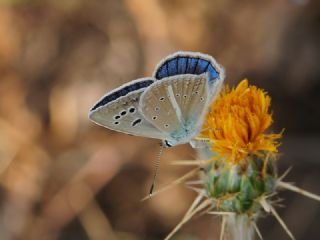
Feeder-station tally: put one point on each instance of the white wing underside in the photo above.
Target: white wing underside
(176, 102)
(170, 105)
(131, 122)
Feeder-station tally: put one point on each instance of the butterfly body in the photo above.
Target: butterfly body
(169, 106)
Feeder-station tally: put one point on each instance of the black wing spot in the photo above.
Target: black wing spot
(157, 109)
(166, 125)
(154, 117)
(136, 122)
(132, 110)
(116, 123)
(161, 99)
(178, 95)
(116, 117)
(123, 113)
(185, 96)
(201, 99)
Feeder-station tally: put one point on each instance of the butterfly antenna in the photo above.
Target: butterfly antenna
(156, 168)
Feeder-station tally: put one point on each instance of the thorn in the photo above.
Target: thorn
(223, 225)
(196, 182)
(271, 195)
(222, 213)
(174, 183)
(257, 230)
(285, 174)
(196, 201)
(205, 211)
(265, 205)
(278, 205)
(293, 188)
(277, 202)
(190, 213)
(284, 226)
(197, 190)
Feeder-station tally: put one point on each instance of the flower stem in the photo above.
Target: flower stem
(239, 227)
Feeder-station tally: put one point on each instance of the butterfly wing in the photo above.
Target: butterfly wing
(176, 103)
(119, 110)
(191, 63)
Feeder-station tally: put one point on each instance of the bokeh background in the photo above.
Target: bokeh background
(64, 178)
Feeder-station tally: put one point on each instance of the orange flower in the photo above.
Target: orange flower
(237, 123)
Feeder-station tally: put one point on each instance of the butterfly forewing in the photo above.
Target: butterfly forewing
(119, 111)
(175, 102)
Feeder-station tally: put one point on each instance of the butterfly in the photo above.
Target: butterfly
(169, 106)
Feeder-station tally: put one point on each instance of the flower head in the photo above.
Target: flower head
(237, 123)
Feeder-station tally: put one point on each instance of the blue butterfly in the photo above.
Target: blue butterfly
(170, 106)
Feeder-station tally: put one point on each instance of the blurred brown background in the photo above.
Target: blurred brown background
(64, 178)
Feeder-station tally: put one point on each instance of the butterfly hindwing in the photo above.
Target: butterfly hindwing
(157, 108)
(119, 110)
(193, 99)
(175, 103)
(189, 63)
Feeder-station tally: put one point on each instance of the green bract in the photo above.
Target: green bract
(237, 188)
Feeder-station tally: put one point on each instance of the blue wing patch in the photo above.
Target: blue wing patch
(123, 91)
(188, 63)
